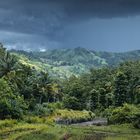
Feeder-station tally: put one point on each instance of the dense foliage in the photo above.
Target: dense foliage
(22, 87)
(105, 87)
(63, 63)
(25, 88)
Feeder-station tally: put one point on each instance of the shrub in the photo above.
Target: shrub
(42, 110)
(124, 114)
(107, 112)
(73, 116)
(136, 120)
(34, 119)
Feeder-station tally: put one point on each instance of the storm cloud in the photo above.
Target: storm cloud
(47, 23)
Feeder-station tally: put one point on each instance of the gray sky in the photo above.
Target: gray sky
(103, 25)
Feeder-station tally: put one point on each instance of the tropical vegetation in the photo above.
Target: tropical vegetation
(33, 100)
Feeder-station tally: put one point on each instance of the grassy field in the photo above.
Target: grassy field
(16, 130)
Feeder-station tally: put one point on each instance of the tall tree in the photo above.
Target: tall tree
(7, 61)
(121, 91)
(93, 99)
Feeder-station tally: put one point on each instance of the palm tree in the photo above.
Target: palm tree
(7, 61)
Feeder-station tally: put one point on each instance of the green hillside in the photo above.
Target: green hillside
(66, 62)
(34, 105)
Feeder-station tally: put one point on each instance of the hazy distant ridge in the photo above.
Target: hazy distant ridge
(65, 62)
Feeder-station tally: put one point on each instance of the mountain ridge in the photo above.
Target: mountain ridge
(66, 62)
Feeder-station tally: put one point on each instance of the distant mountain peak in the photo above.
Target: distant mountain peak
(80, 48)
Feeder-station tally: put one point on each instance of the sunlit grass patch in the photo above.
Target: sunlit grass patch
(74, 116)
(7, 123)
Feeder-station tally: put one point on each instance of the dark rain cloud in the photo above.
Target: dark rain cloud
(48, 18)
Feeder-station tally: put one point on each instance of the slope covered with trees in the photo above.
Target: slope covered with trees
(106, 89)
(63, 63)
(22, 88)
(29, 94)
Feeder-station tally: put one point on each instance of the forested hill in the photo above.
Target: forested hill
(66, 62)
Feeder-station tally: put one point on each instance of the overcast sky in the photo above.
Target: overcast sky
(102, 25)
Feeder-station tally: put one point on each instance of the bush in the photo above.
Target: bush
(124, 114)
(107, 112)
(54, 106)
(136, 120)
(73, 116)
(42, 110)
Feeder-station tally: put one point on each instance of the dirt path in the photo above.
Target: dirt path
(96, 121)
